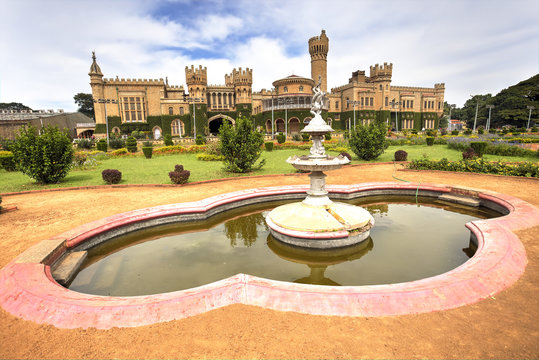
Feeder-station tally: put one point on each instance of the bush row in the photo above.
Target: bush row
(527, 169)
(491, 148)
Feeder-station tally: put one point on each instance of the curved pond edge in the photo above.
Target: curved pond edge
(28, 290)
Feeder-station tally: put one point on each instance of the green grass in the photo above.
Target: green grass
(139, 170)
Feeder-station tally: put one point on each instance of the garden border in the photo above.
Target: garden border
(28, 290)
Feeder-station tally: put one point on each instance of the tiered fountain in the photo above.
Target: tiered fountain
(317, 222)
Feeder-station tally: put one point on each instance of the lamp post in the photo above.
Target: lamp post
(272, 117)
(451, 106)
(106, 101)
(489, 107)
(529, 116)
(354, 103)
(393, 105)
(194, 100)
(476, 110)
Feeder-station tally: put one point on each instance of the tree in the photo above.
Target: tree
(369, 141)
(85, 103)
(45, 157)
(240, 146)
(13, 106)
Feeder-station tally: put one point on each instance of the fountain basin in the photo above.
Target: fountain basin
(320, 227)
(28, 290)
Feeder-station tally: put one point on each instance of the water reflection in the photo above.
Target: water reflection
(318, 260)
(244, 229)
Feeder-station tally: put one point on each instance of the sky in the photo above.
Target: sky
(473, 46)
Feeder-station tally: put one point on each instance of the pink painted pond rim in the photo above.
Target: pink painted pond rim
(28, 290)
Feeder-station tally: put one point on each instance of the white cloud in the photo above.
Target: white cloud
(474, 47)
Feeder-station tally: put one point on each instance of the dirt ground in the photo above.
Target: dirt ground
(504, 326)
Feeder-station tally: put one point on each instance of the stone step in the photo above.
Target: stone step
(462, 200)
(67, 267)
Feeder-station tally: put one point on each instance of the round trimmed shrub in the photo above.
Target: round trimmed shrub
(369, 141)
(327, 136)
(111, 176)
(269, 145)
(102, 145)
(281, 138)
(401, 155)
(454, 132)
(305, 136)
(168, 140)
(469, 154)
(179, 175)
(430, 141)
(297, 137)
(147, 149)
(468, 132)
(131, 144)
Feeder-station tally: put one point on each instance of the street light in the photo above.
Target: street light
(106, 101)
(272, 118)
(476, 110)
(394, 103)
(489, 107)
(451, 106)
(354, 103)
(529, 116)
(193, 100)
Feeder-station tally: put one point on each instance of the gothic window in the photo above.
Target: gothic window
(372, 101)
(134, 108)
(411, 103)
(387, 101)
(381, 88)
(170, 110)
(347, 103)
(285, 89)
(337, 105)
(177, 127)
(362, 101)
(181, 111)
(301, 88)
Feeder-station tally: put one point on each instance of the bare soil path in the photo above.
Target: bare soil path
(504, 326)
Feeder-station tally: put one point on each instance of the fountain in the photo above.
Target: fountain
(317, 222)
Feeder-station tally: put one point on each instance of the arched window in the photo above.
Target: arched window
(301, 88)
(381, 88)
(181, 111)
(170, 110)
(285, 89)
(177, 128)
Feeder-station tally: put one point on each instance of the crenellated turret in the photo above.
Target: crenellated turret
(197, 81)
(318, 48)
(381, 73)
(242, 80)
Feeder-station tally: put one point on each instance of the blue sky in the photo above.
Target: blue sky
(474, 47)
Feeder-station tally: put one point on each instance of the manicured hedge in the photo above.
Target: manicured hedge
(527, 168)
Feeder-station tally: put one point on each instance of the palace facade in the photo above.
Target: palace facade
(154, 105)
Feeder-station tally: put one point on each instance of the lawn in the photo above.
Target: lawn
(139, 170)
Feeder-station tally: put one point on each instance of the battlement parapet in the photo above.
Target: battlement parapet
(321, 38)
(122, 81)
(196, 75)
(413, 88)
(378, 71)
(239, 77)
(439, 86)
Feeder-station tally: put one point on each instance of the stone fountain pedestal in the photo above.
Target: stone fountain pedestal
(317, 222)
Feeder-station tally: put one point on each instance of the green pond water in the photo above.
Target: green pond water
(409, 241)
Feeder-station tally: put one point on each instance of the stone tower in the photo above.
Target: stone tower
(197, 81)
(318, 48)
(242, 80)
(98, 90)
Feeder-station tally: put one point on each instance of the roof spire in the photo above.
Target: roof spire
(94, 68)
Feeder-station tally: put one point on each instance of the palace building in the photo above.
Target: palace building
(199, 108)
